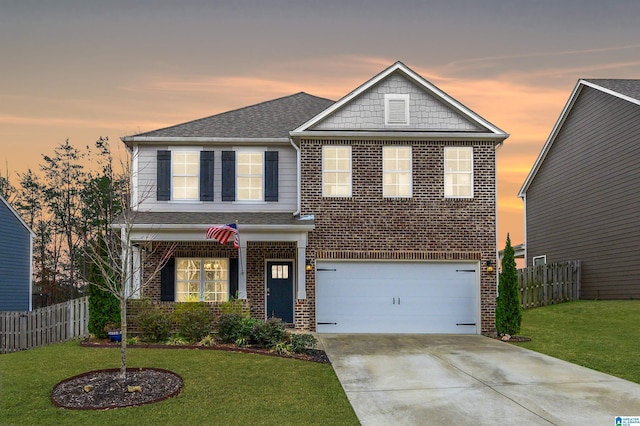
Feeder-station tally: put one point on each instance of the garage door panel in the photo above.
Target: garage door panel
(396, 297)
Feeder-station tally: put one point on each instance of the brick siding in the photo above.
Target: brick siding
(424, 227)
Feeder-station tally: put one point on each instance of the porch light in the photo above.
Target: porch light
(308, 265)
(489, 266)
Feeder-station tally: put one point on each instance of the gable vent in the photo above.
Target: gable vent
(396, 109)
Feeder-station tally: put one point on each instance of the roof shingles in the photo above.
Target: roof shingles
(270, 119)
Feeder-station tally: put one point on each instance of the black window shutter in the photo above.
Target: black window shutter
(168, 281)
(271, 176)
(164, 176)
(228, 176)
(206, 175)
(233, 277)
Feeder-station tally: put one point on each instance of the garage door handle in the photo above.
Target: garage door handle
(466, 323)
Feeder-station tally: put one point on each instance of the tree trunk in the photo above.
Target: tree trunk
(123, 342)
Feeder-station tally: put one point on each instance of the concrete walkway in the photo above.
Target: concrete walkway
(471, 380)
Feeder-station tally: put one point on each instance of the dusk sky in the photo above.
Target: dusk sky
(85, 69)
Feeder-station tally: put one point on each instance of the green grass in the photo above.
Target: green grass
(219, 388)
(601, 335)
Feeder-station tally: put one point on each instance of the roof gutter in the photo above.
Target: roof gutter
(395, 135)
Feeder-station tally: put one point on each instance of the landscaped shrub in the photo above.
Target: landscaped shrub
(234, 306)
(508, 309)
(228, 327)
(193, 320)
(302, 343)
(104, 307)
(154, 325)
(267, 333)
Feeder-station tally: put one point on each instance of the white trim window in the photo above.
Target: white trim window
(205, 280)
(540, 260)
(458, 172)
(396, 174)
(396, 109)
(336, 171)
(185, 169)
(249, 175)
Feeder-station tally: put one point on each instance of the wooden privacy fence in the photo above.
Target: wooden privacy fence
(549, 284)
(44, 326)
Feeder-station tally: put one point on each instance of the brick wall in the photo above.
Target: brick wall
(257, 254)
(424, 227)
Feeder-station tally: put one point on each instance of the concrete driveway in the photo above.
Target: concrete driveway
(471, 380)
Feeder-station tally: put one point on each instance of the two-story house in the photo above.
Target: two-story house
(375, 213)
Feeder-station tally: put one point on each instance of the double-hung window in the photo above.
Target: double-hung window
(205, 280)
(396, 162)
(458, 172)
(250, 169)
(185, 181)
(336, 171)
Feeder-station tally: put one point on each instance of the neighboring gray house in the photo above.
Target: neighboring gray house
(582, 196)
(372, 214)
(16, 243)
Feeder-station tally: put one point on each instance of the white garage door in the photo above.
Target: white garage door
(397, 297)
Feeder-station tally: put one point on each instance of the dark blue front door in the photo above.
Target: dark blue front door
(280, 290)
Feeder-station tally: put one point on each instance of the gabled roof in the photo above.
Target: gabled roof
(17, 215)
(267, 120)
(491, 131)
(626, 89)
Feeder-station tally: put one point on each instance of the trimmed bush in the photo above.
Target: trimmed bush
(229, 326)
(267, 333)
(302, 343)
(193, 320)
(154, 325)
(234, 306)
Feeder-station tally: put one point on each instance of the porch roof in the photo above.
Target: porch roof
(190, 220)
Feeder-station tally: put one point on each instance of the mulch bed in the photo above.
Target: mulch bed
(314, 355)
(103, 389)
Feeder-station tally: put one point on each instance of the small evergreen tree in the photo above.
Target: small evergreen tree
(508, 309)
(104, 307)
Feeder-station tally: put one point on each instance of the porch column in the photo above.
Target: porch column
(136, 273)
(242, 269)
(302, 263)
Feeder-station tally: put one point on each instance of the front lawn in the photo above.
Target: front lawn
(602, 335)
(219, 388)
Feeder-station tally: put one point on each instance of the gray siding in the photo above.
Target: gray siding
(15, 262)
(287, 184)
(584, 202)
(366, 112)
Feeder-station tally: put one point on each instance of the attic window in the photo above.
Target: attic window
(396, 109)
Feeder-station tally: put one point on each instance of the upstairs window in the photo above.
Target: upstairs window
(185, 175)
(185, 181)
(396, 162)
(396, 109)
(336, 171)
(249, 175)
(458, 172)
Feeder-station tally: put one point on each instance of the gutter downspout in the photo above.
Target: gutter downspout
(298, 177)
(495, 168)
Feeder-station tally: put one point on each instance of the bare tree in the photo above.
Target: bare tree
(117, 259)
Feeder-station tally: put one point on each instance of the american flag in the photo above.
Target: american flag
(222, 233)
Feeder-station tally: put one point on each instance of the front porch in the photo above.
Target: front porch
(268, 270)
